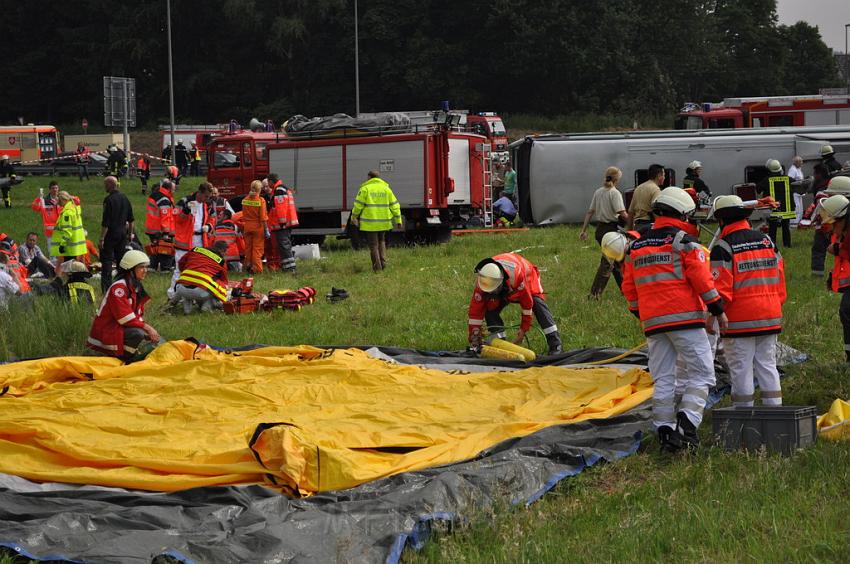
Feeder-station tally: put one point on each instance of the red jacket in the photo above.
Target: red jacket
(840, 276)
(202, 268)
(666, 279)
(283, 214)
(522, 283)
(159, 215)
(184, 223)
(226, 231)
(750, 276)
(122, 306)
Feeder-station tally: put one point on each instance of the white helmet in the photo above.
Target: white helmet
(833, 208)
(675, 198)
(826, 150)
(773, 165)
(132, 259)
(614, 246)
(728, 201)
(839, 184)
(695, 165)
(490, 277)
(78, 267)
(5, 157)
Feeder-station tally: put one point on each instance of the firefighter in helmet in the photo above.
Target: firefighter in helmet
(505, 279)
(827, 155)
(777, 185)
(668, 285)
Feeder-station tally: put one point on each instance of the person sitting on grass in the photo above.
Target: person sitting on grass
(119, 329)
(8, 282)
(203, 278)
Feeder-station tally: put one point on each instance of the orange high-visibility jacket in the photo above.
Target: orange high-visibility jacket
(226, 231)
(184, 223)
(283, 214)
(750, 276)
(666, 279)
(159, 215)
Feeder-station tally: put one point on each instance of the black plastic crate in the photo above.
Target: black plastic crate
(782, 429)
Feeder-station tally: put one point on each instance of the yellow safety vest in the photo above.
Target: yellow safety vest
(783, 196)
(75, 287)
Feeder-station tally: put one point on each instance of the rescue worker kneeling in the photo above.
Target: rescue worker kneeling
(506, 279)
(750, 277)
(203, 278)
(835, 213)
(119, 329)
(667, 282)
(76, 288)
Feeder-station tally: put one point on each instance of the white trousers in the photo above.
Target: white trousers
(693, 347)
(681, 368)
(748, 357)
(197, 241)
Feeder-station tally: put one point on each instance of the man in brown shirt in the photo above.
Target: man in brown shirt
(640, 208)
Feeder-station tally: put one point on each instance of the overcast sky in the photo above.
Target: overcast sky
(828, 15)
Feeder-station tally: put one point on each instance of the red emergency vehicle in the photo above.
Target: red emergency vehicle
(492, 127)
(769, 111)
(440, 177)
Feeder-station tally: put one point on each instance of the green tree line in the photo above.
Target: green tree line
(274, 58)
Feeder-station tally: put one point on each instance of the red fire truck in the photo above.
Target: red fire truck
(771, 111)
(440, 177)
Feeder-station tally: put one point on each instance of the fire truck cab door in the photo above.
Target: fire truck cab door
(229, 168)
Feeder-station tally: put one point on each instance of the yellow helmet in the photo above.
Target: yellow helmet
(132, 259)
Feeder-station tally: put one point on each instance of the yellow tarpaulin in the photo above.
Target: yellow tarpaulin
(185, 416)
(835, 423)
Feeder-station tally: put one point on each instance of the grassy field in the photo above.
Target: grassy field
(708, 506)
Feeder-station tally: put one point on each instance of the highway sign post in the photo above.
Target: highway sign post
(119, 104)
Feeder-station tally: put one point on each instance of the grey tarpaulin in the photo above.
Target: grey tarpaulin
(391, 121)
(372, 522)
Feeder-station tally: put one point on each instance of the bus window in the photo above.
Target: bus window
(226, 155)
(782, 120)
(642, 175)
(246, 154)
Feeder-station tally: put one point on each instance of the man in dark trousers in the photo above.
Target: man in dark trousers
(7, 171)
(181, 158)
(117, 225)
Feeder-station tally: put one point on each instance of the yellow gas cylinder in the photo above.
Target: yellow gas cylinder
(488, 351)
(527, 354)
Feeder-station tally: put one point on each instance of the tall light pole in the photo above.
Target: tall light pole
(846, 60)
(170, 79)
(356, 65)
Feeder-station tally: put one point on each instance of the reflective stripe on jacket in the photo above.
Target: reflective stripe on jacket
(666, 279)
(779, 188)
(750, 276)
(69, 233)
(521, 285)
(376, 206)
(226, 231)
(202, 268)
(122, 306)
(283, 213)
(159, 215)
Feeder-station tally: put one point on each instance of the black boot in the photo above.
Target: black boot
(687, 431)
(554, 341)
(670, 440)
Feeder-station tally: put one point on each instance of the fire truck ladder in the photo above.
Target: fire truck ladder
(487, 168)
